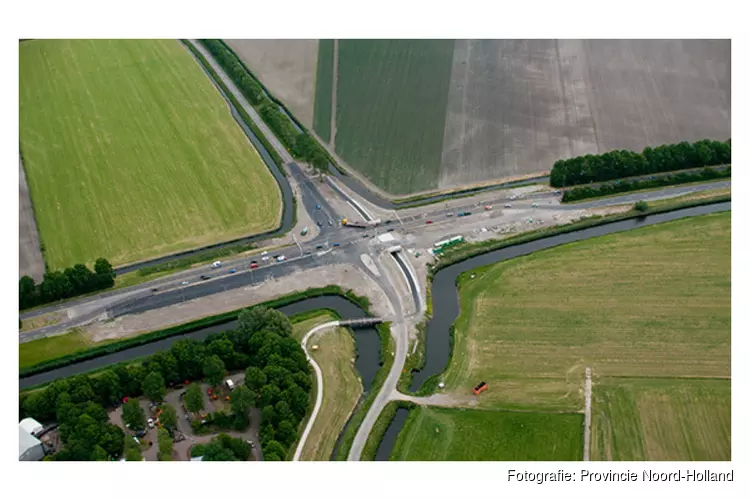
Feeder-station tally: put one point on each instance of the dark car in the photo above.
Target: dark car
(337, 244)
(320, 224)
(308, 252)
(232, 271)
(318, 247)
(155, 289)
(390, 229)
(388, 221)
(205, 277)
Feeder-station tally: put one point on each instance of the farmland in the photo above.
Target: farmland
(459, 434)
(342, 386)
(420, 115)
(323, 89)
(390, 115)
(286, 68)
(656, 419)
(653, 301)
(131, 153)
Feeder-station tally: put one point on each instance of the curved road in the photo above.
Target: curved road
(319, 395)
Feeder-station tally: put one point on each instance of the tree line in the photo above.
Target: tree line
(300, 144)
(277, 379)
(622, 163)
(584, 192)
(71, 282)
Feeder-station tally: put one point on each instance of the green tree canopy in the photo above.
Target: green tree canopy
(194, 398)
(214, 369)
(168, 417)
(153, 386)
(133, 415)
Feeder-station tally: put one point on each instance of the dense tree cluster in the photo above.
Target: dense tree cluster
(583, 192)
(277, 378)
(300, 144)
(222, 448)
(71, 282)
(620, 164)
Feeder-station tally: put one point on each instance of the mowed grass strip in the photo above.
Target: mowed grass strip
(461, 434)
(391, 106)
(342, 386)
(661, 419)
(323, 89)
(36, 351)
(653, 301)
(131, 153)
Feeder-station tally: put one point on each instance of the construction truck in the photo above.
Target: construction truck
(355, 223)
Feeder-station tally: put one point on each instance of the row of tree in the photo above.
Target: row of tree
(622, 163)
(300, 144)
(276, 370)
(222, 448)
(71, 282)
(584, 192)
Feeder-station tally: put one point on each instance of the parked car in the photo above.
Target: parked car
(388, 221)
(216, 264)
(185, 283)
(281, 258)
(264, 258)
(254, 265)
(507, 205)
(317, 207)
(337, 244)
(205, 277)
(308, 252)
(320, 224)
(390, 230)
(155, 289)
(534, 205)
(449, 214)
(232, 271)
(330, 222)
(428, 222)
(318, 247)
(151, 423)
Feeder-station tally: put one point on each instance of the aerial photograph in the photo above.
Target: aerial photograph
(504, 250)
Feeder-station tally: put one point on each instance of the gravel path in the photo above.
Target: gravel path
(30, 258)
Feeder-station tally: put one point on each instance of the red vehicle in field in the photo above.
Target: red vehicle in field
(481, 387)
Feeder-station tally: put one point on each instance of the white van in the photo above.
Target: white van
(230, 384)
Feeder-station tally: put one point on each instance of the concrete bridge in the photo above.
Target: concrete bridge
(360, 323)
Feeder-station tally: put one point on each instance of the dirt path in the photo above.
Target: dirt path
(30, 258)
(587, 418)
(443, 400)
(334, 88)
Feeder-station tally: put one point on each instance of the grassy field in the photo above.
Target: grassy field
(648, 302)
(452, 434)
(391, 106)
(656, 419)
(131, 153)
(341, 385)
(323, 89)
(36, 351)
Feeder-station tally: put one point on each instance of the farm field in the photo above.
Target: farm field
(658, 419)
(650, 302)
(342, 387)
(460, 434)
(131, 153)
(323, 89)
(390, 116)
(286, 68)
(424, 115)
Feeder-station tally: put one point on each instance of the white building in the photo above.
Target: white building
(30, 449)
(31, 426)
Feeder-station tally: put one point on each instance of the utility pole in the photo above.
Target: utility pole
(297, 243)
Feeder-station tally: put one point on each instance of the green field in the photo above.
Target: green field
(391, 105)
(653, 301)
(654, 419)
(341, 385)
(323, 89)
(453, 434)
(131, 153)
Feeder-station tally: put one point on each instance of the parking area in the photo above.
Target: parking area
(184, 438)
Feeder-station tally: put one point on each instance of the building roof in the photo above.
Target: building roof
(26, 441)
(30, 425)
(386, 237)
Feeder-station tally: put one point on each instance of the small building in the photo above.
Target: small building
(31, 426)
(30, 449)
(197, 459)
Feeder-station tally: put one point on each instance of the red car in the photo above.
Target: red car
(429, 222)
(254, 266)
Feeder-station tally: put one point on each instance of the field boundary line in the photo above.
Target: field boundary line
(587, 418)
(334, 90)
